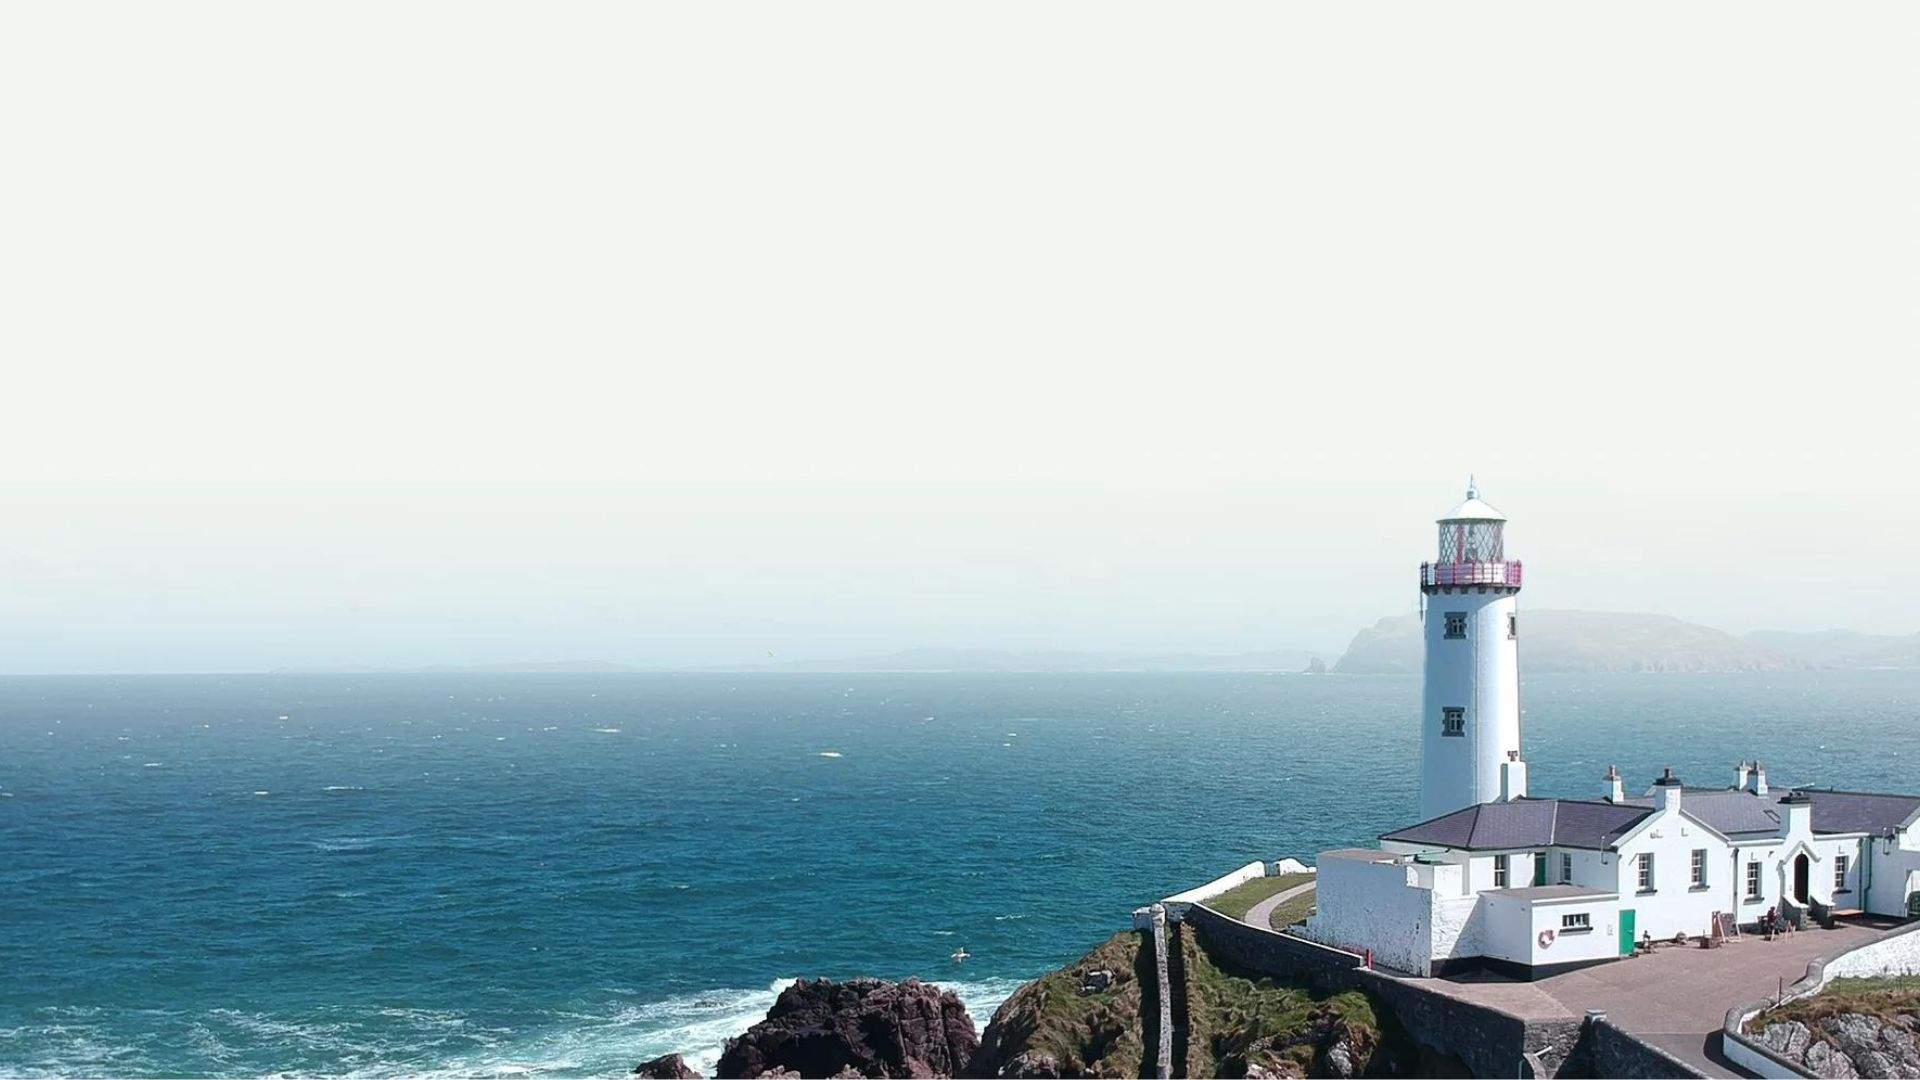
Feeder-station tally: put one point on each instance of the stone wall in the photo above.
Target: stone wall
(1489, 1042)
(1898, 953)
(1265, 952)
(1605, 1050)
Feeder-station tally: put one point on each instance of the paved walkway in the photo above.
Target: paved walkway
(1261, 914)
(1676, 997)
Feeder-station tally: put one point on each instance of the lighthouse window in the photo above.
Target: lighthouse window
(1513, 628)
(1456, 624)
(1453, 720)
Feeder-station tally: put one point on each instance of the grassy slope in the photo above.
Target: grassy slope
(1237, 901)
(1885, 999)
(1232, 1020)
(1236, 1020)
(1097, 1034)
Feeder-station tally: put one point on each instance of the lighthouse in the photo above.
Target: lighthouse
(1470, 695)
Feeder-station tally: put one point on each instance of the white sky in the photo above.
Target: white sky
(408, 333)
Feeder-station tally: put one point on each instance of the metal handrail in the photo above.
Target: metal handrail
(1505, 572)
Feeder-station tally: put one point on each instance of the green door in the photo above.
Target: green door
(1539, 868)
(1626, 932)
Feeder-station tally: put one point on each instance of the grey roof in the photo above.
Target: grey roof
(1553, 892)
(1859, 811)
(1525, 823)
(1742, 815)
(1734, 812)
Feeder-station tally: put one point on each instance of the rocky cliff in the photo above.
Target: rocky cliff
(1855, 1028)
(1096, 1017)
(864, 1027)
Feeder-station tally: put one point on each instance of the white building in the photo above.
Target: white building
(1533, 886)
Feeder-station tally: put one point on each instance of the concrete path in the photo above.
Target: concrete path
(1674, 998)
(1261, 914)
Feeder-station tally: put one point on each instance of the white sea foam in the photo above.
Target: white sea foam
(343, 787)
(831, 753)
(608, 730)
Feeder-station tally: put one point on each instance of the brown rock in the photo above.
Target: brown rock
(666, 1067)
(873, 1028)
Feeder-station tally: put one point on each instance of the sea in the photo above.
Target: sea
(564, 875)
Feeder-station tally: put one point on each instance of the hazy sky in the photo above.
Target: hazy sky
(416, 333)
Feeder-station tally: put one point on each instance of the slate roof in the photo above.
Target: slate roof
(1734, 812)
(1742, 815)
(1525, 823)
(1859, 811)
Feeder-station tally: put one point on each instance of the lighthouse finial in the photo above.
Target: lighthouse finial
(1472, 491)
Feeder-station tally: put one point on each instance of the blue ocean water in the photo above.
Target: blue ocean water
(566, 874)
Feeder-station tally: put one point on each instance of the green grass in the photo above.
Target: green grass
(1237, 901)
(1236, 1021)
(1883, 998)
(1098, 1034)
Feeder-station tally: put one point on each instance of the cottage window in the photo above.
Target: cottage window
(1499, 871)
(1699, 868)
(1453, 720)
(1646, 872)
(1566, 868)
(1840, 873)
(1456, 624)
(1753, 880)
(1577, 922)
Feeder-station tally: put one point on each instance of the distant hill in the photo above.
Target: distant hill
(1843, 648)
(1579, 641)
(999, 660)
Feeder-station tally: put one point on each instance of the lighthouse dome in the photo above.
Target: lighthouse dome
(1472, 509)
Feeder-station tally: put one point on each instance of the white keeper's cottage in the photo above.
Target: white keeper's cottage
(1495, 878)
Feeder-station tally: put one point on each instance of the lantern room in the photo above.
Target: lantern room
(1472, 549)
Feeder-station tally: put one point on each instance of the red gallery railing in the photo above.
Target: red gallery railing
(1504, 573)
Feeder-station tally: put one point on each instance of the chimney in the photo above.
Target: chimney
(1513, 777)
(1757, 783)
(1796, 813)
(1616, 790)
(1666, 791)
(1740, 772)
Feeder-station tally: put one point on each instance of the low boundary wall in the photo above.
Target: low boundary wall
(1898, 953)
(1489, 1042)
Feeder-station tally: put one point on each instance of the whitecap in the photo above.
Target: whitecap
(343, 787)
(263, 793)
(154, 765)
(831, 753)
(608, 730)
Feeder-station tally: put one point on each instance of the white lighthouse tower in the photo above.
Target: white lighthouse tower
(1470, 700)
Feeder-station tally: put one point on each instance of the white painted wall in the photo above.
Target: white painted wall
(1364, 905)
(1179, 902)
(1893, 876)
(1513, 927)
(1675, 906)
(1480, 673)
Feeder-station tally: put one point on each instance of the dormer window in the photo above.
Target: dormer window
(1453, 720)
(1456, 624)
